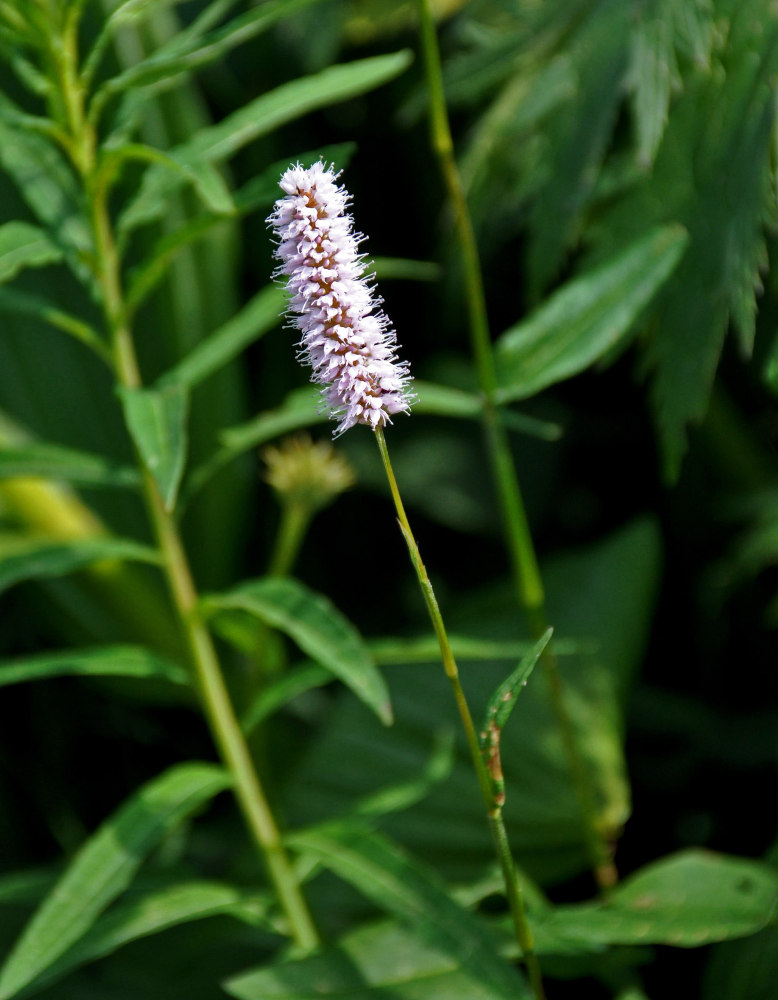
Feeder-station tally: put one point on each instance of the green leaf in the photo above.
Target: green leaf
(586, 318)
(218, 143)
(156, 420)
(105, 866)
(49, 188)
(498, 711)
(102, 661)
(23, 245)
(407, 889)
(502, 702)
(48, 461)
(36, 559)
(139, 916)
(380, 961)
(688, 899)
(259, 316)
(317, 627)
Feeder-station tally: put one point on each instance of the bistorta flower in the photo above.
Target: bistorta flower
(346, 338)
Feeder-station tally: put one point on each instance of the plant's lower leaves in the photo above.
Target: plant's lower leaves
(36, 559)
(405, 888)
(23, 245)
(381, 961)
(102, 661)
(587, 318)
(157, 421)
(48, 461)
(105, 866)
(689, 899)
(608, 602)
(317, 627)
(138, 916)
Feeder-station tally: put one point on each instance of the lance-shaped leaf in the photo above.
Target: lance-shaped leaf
(688, 899)
(156, 419)
(48, 461)
(39, 559)
(105, 866)
(139, 916)
(498, 711)
(102, 661)
(407, 889)
(503, 700)
(219, 142)
(23, 245)
(48, 186)
(586, 318)
(318, 628)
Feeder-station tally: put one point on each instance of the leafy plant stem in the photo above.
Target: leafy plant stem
(215, 698)
(493, 811)
(524, 563)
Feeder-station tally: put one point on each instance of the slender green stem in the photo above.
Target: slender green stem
(295, 518)
(524, 563)
(215, 699)
(493, 810)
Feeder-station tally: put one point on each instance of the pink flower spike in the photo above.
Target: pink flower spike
(346, 338)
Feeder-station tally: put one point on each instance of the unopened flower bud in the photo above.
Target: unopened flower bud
(306, 473)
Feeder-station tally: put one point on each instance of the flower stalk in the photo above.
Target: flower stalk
(522, 929)
(348, 343)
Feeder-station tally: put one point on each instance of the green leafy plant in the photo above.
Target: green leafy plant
(230, 763)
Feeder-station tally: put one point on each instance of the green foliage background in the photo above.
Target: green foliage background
(619, 161)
